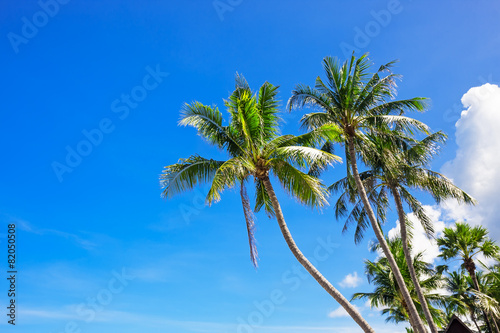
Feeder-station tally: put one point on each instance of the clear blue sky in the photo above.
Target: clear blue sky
(82, 220)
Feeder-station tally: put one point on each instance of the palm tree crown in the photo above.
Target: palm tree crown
(252, 141)
(466, 242)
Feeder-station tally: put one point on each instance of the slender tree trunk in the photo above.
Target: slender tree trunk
(410, 319)
(419, 326)
(472, 274)
(473, 317)
(409, 260)
(351, 310)
(494, 322)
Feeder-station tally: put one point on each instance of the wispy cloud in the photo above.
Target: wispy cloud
(152, 321)
(76, 239)
(351, 281)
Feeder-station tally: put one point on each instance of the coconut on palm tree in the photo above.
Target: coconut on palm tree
(256, 151)
(360, 103)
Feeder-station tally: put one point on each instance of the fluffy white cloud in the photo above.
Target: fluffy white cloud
(476, 166)
(351, 281)
(340, 312)
(420, 242)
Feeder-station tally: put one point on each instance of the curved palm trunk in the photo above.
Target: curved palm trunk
(418, 325)
(409, 261)
(351, 310)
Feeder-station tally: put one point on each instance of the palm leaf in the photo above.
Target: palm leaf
(186, 174)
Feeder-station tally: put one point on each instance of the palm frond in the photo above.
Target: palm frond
(226, 177)
(267, 107)
(304, 96)
(305, 156)
(400, 123)
(262, 199)
(208, 122)
(186, 174)
(307, 189)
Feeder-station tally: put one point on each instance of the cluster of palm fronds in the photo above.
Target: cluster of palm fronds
(465, 292)
(353, 108)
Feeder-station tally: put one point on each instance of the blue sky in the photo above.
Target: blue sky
(100, 251)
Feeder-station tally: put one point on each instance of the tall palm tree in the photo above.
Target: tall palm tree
(465, 243)
(256, 150)
(399, 164)
(359, 103)
(387, 294)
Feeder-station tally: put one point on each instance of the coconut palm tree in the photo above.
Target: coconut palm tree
(359, 102)
(464, 299)
(492, 280)
(257, 151)
(465, 242)
(398, 165)
(461, 299)
(488, 297)
(387, 294)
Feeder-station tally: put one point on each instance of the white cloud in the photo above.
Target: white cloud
(351, 281)
(420, 242)
(476, 166)
(340, 312)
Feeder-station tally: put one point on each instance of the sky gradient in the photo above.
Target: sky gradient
(91, 93)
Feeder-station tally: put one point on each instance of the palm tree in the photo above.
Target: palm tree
(256, 151)
(488, 297)
(387, 293)
(492, 280)
(359, 103)
(461, 300)
(466, 242)
(464, 299)
(398, 164)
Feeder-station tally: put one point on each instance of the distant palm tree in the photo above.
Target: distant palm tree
(256, 151)
(492, 280)
(465, 243)
(398, 165)
(465, 299)
(359, 102)
(461, 300)
(387, 294)
(488, 297)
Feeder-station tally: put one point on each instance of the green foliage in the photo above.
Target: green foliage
(255, 149)
(465, 242)
(387, 294)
